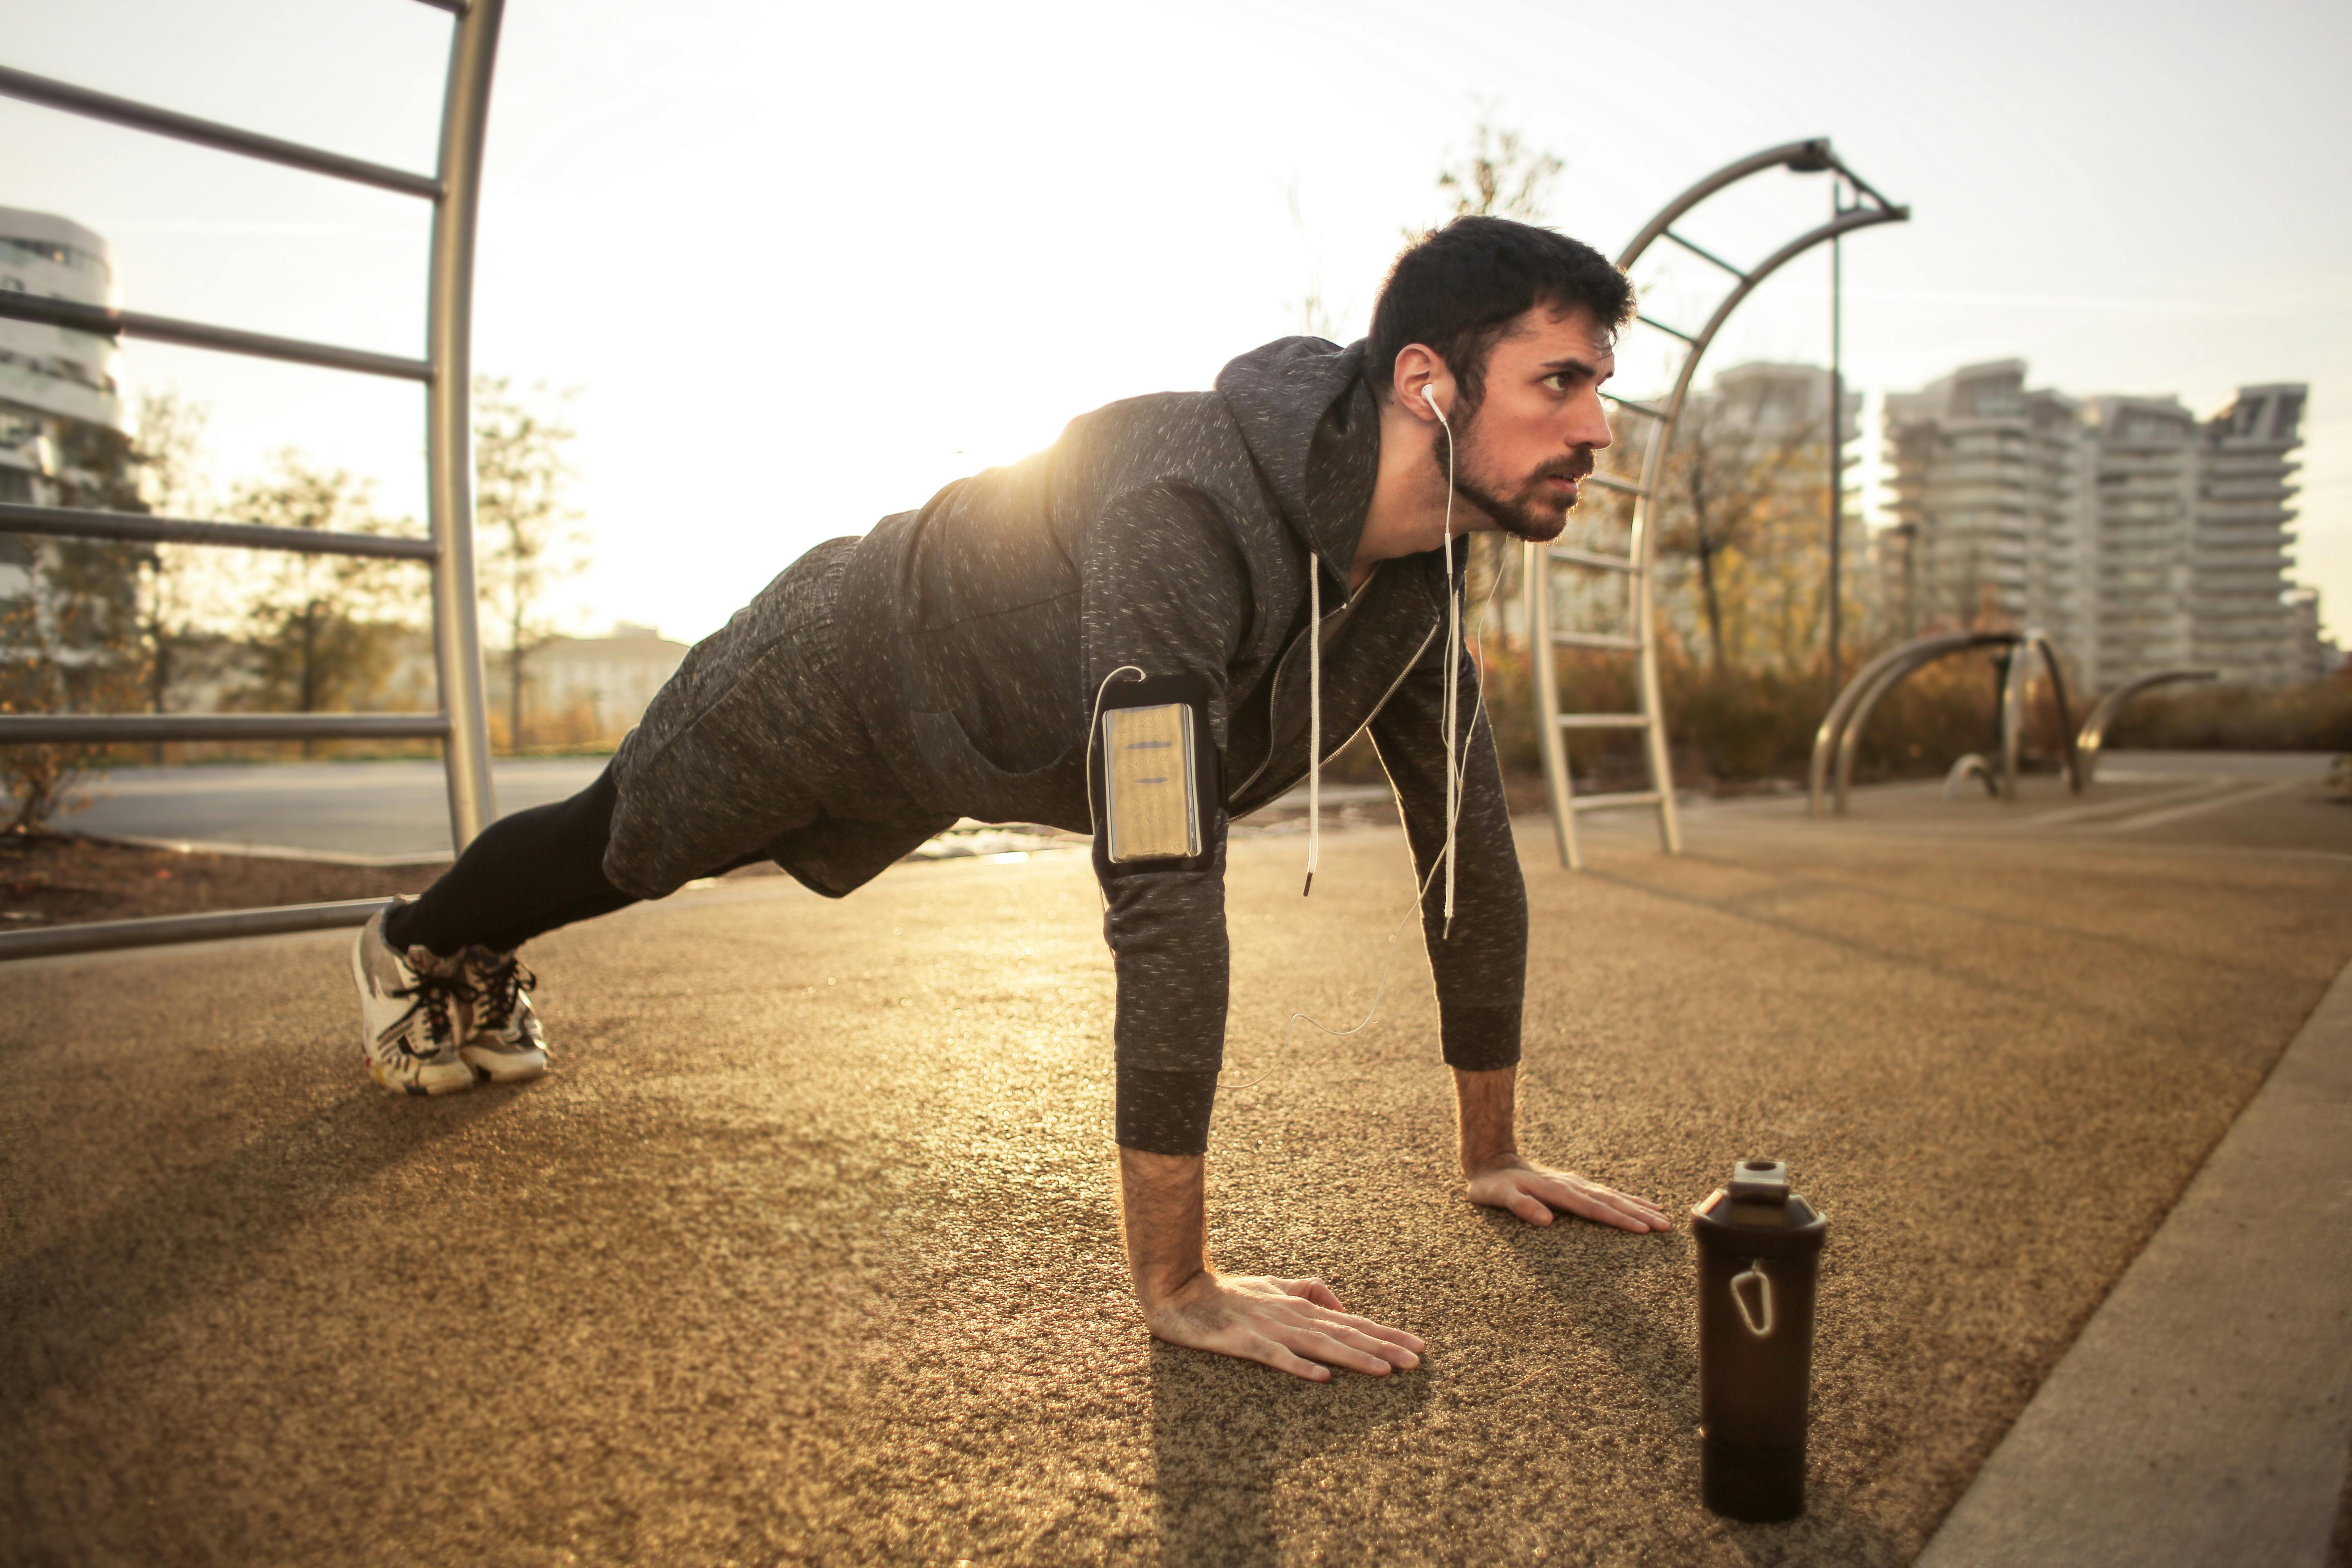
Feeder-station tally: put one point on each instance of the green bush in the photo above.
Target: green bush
(1742, 727)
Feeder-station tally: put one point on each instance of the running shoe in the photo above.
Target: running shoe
(507, 1044)
(413, 1010)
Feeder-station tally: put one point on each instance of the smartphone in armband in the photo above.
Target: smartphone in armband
(1151, 795)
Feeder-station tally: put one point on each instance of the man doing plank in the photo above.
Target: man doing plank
(1166, 619)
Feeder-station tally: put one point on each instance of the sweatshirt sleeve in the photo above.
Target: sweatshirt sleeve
(1482, 969)
(1166, 591)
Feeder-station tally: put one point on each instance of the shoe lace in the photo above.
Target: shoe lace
(434, 998)
(503, 978)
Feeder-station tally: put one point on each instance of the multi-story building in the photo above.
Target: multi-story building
(2239, 616)
(2138, 536)
(61, 441)
(1988, 484)
(51, 379)
(2316, 658)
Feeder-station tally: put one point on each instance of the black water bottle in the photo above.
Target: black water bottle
(1760, 1248)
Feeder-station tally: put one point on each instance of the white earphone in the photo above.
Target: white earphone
(1429, 395)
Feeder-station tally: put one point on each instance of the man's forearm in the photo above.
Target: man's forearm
(1164, 1200)
(1486, 1106)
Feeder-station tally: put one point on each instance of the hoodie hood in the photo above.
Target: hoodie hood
(1313, 430)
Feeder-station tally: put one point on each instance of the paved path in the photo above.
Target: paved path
(372, 808)
(806, 1253)
(399, 808)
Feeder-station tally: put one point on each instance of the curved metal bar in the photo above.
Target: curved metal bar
(2065, 713)
(2093, 736)
(1971, 766)
(1850, 743)
(2012, 713)
(1835, 724)
(104, 729)
(76, 522)
(1782, 156)
(102, 320)
(64, 95)
(105, 936)
(2015, 692)
(449, 432)
(1844, 223)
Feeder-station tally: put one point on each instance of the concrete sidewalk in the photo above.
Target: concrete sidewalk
(806, 1253)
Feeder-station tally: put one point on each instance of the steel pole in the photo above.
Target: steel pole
(1837, 433)
(1537, 574)
(448, 428)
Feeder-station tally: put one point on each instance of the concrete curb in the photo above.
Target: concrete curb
(268, 851)
(2205, 1415)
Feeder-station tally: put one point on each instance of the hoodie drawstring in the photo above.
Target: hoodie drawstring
(1452, 677)
(1314, 719)
(1452, 719)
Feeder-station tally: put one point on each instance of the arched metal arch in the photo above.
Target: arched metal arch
(1871, 208)
(1839, 739)
(2094, 737)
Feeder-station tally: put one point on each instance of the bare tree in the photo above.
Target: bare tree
(182, 588)
(1502, 176)
(324, 628)
(69, 642)
(520, 513)
(1735, 490)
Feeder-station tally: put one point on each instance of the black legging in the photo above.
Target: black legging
(526, 874)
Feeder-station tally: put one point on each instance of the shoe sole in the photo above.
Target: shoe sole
(503, 1069)
(419, 1087)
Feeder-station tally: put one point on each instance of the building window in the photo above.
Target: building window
(2290, 410)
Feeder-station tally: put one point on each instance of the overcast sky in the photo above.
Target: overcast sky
(808, 263)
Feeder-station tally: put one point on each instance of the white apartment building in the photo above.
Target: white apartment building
(2316, 657)
(2240, 542)
(50, 379)
(2141, 537)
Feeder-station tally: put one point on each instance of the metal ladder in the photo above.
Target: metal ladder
(460, 723)
(1636, 566)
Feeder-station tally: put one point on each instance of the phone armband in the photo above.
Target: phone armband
(1152, 785)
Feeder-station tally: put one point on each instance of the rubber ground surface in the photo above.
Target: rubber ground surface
(804, 1252)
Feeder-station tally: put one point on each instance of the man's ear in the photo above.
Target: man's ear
(1418, 369)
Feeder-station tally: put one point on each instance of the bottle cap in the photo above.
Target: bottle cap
(1759, 1182)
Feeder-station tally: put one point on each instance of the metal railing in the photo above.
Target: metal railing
(461, 723)
(1636, 566)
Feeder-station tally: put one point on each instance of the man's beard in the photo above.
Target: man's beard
(1531, 511)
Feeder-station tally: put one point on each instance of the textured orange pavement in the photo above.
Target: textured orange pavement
(806, 1253)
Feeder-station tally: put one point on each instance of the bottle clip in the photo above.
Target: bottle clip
(1759, 1322)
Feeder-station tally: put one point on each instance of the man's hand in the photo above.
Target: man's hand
(1291, 1325)
(1500, 1179)
(1532, 1191)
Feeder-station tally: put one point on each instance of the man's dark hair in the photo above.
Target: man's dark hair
(1458, 290)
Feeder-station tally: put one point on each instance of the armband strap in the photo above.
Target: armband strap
(1158, 778)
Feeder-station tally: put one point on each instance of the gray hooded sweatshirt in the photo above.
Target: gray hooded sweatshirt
(1174, 533)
